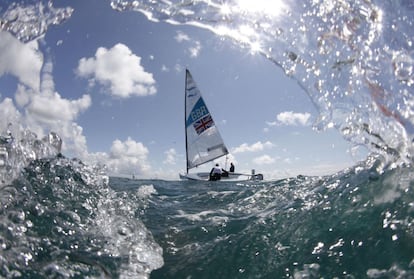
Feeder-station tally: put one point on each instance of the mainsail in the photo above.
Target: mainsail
(203, 140)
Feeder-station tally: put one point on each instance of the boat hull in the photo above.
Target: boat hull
(204, 176)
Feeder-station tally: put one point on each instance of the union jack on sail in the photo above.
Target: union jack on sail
(203, 124)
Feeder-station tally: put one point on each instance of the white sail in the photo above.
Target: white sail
(203, 140)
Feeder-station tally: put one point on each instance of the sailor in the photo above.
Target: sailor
(231, 167)
(215, 173)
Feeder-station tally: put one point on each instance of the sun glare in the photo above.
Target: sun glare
(225, 9)
(255, 47)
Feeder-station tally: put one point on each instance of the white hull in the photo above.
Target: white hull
(204, 176)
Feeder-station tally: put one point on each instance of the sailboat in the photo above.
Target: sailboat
(203, 141)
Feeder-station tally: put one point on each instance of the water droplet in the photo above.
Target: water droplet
(402, 64)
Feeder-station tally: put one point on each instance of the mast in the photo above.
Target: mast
(185, 119)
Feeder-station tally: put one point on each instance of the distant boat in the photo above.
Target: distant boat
(203, 141)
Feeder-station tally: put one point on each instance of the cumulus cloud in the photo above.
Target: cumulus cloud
(9, 114)
(258, 146)
(178, 68)
(263, 160)
(118, 69)
(128, 148)
(291, 118)
(47, 106)
(52, 107)
(47, 111)
(181, 37)
(125, 157)
(23, 61)
(74, 142)
(171, 156)
(50, 112)
(36, 105)
(194, 49)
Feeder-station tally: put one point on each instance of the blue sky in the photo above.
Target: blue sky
(112, 85)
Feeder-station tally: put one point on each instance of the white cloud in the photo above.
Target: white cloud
(23, 61)
(125, 158)
(129, 148)
(171, 156)
(291, 118)
(178, 68)
(37, 105)
(47, 84)
(61, 118)
(120, 70)
(181, 37)
(75, 141)
(290, 161)
(9, 114)
(258, 146)
(50, 108)
(263, 160)
(128, 157)
(195, 50)
(45, 112)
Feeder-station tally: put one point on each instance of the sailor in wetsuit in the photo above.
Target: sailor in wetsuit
(215, 173)
(231, 167)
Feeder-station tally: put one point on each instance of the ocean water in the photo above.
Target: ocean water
(61, 218)
(350, 225)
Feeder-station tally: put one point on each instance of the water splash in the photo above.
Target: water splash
(29, 20)
(17, 151)
(60, 219)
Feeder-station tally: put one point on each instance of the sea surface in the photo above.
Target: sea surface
(62, 218)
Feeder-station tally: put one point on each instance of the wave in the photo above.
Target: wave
(16, 152)
(354, 224)
(60, 219)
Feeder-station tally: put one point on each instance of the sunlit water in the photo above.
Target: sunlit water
(63, 219)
